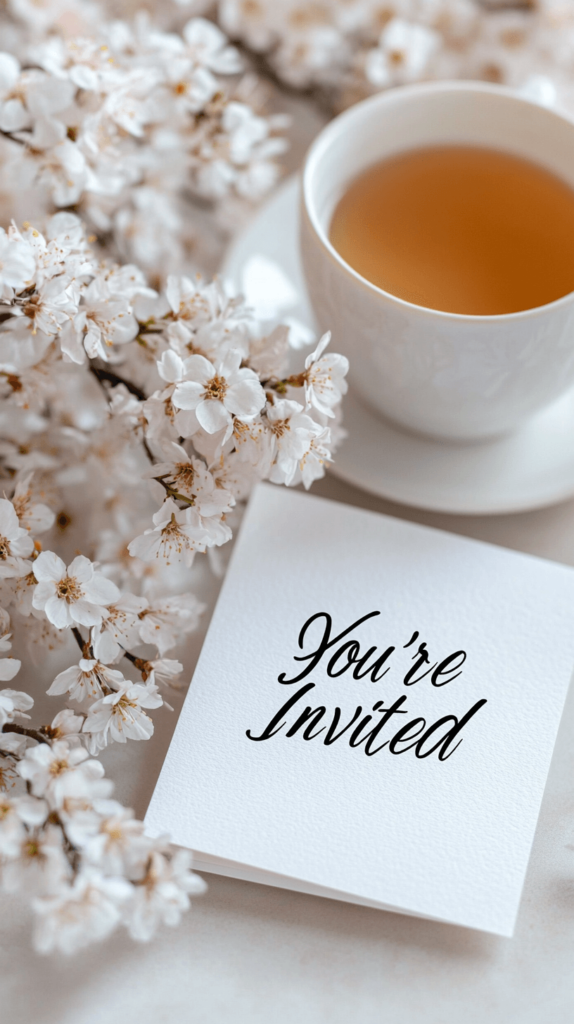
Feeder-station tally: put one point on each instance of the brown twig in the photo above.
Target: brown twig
(34, 734)
(297, 380)
(171, 491)
(142, 664)
(12, 138)
(108, 377)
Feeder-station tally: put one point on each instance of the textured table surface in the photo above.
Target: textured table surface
(249, 953)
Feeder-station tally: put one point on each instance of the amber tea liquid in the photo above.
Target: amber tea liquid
(460, 229)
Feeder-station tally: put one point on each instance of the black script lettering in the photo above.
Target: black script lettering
(423, 659)
(445, 741)
(375, 667)
(276, 724)
(443, 669)
(395, 709)
(406, 733)
(414, 637)
(351, 649)
(354, 740)
(325, 644)
(312, 716)
(331, 736)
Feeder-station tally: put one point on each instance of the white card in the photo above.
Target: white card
(401, 810)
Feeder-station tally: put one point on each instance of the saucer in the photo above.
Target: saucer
(528, 469)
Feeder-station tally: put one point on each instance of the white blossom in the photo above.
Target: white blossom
(40, 864)
(162, 895)
(13, 703)
(121, 716)
(78, 593)
(35, 517)
(403, 54)
(190, 480)
(17, 263)
(120, 630)
(176, 536)
(312, 465)
(9, 667)
(85, 911)
(165, 620)
(66, 725)
(86, 679)
(209, 47)
(164, 670)
(325, 382)
(217, 393)
(58, 771)
(16, 814)
(13, 114)
(104, 321)
(118, 844)
(293, 432)
(49, 308)
(15, 543)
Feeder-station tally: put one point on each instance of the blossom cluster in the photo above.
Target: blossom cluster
(133, 423)
(127, 124)
(79, 856)
(351, 48)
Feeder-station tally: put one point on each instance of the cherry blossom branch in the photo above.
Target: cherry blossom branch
(64, 438)
(108, 376)
(296, 380)
(141, 664)
(12, 138)
(172, 492)
(84, 645)
(35, 734)
(103, 376)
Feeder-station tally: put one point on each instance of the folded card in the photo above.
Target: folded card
(373, 713)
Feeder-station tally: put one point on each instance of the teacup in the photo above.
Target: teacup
(448, 375)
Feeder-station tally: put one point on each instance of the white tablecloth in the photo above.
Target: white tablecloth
(249, 954)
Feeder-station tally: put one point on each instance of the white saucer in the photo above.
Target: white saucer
(529, 469)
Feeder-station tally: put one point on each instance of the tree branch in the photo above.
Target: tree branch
(106, 376)
(78, 638)
(297, 380)
(141, 664)
(148, 451)
(171, 491)
(8, 135)
(34, 734)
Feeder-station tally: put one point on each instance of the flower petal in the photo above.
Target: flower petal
(81, 568)
(212, 416)
(42, 593)
(86, 614)
(170, 366)
(9, 667)
(245, 399)
(58, 612)
(187, 395)
(9, 71)
(100, 590)
(48, 567)
(9, 525)
(198, 368)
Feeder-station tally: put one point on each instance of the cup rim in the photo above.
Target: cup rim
(380, 99)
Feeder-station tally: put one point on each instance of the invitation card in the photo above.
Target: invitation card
(373, 714)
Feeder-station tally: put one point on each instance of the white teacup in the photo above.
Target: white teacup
(444, 374)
